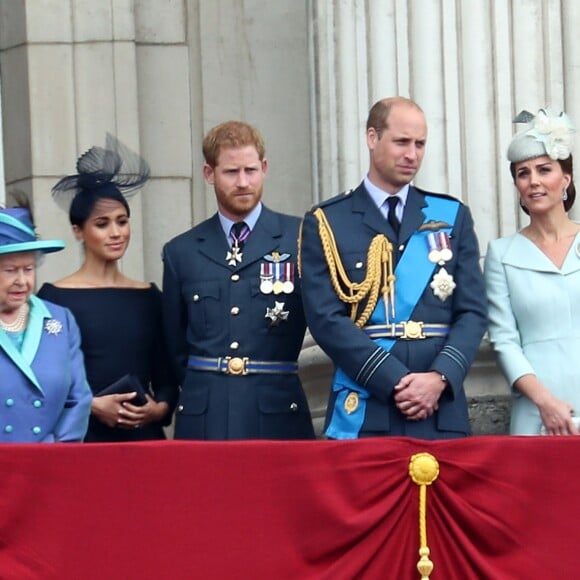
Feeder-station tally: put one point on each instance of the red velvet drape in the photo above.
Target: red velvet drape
(501, 508)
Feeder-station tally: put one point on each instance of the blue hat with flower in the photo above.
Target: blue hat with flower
(547, 133)
(17, 233)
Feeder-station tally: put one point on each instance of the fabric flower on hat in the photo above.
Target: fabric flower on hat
(555, 131)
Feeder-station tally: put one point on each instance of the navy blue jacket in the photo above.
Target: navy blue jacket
(355, 221)
(212, 309)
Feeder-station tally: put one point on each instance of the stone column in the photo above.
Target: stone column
(68, 78)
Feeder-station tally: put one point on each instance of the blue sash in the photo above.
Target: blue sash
(412, 275)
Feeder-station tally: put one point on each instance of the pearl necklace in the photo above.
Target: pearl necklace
(19, 322)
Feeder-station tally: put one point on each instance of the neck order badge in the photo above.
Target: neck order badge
(238, 235)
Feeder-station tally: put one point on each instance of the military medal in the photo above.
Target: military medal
(351, 402)
(439, 245)
(278, 283)
(277, 314)
(288, 285)
(238, 234)
(234, 256)
(266, 286)
(443, 284)
(266, 278)
(279, 278)
(434, 255)
(445, 245)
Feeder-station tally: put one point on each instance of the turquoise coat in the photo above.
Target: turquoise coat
(44, 394)
(534, 322)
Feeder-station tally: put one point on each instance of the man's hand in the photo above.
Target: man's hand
(417, 394)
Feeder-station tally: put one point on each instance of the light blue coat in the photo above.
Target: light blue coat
(44, 394)
(534, 322)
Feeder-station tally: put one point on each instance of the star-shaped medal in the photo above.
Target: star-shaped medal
(443, 284)
(234, 256)
(277, 314)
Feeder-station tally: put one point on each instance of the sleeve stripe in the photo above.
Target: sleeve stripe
(371, 365)
(456, 356)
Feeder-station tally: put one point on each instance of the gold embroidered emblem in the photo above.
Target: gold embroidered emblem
(351, 402)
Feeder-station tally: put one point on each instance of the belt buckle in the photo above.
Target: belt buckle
(236, 365)
(412, 330)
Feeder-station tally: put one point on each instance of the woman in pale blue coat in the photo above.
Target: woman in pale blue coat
(44, 395)
(533, 283)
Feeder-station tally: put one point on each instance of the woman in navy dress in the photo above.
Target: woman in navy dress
(119, 318)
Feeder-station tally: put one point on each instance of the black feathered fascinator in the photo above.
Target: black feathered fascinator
(113, 171)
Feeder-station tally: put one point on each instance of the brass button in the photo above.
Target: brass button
(237, 365)
(235, 277)
(235, 311)
(235, 345)
(412, 330)
(294, 406)
(195, 297)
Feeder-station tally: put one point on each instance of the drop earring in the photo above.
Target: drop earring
(564, 195)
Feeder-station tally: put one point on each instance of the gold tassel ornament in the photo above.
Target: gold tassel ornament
(423, 470)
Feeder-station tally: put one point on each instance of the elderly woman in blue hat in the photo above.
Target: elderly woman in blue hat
(533, 282)
(45, 396)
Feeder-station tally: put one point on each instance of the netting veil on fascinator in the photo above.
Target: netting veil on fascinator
(112, 169)
(547, 133)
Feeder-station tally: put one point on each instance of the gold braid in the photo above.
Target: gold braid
(379, 275)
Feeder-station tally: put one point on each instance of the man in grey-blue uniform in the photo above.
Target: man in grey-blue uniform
(233, 313)
(393, 291)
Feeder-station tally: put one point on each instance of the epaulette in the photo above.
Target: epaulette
(437, 194)
(332, 200)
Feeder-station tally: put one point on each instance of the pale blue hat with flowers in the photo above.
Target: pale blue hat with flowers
(547, 133)
(17, 233)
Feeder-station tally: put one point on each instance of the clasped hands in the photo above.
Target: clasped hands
(417, 394)
(117, 411)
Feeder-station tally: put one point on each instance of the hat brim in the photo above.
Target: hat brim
(44, 246)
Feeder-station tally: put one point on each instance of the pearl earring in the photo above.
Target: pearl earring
(564, 195)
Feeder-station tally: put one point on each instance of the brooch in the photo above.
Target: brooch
(53, 326)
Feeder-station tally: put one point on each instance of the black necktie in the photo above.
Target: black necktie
(392, 218)
(239, 232)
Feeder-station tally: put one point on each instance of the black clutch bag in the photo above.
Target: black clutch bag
(126, 384)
